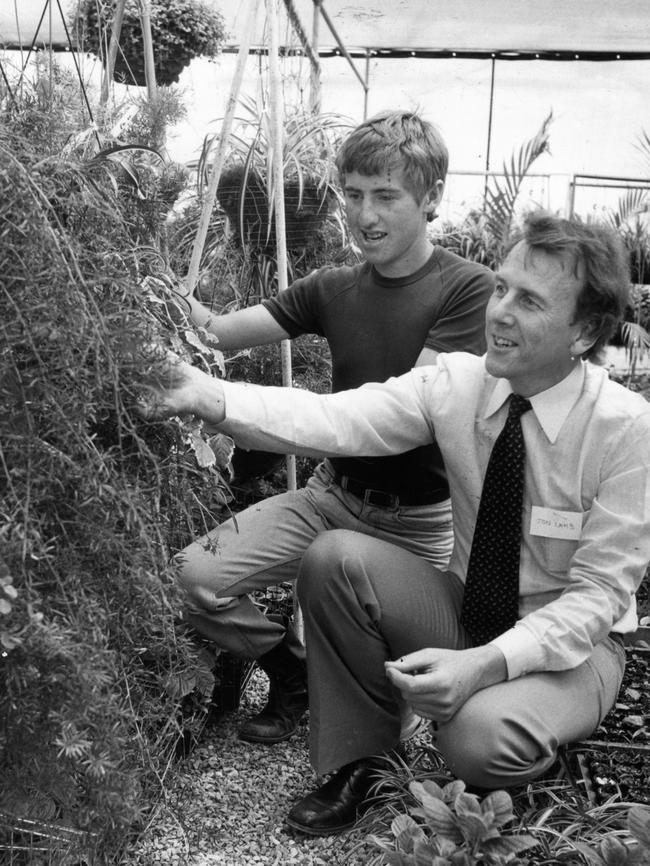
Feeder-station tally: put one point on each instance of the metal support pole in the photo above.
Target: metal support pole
(342, 48)
(366, 88)
(489, 135)
(571, 198)
(315, 73)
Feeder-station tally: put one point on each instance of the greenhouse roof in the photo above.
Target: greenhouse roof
(507, 29)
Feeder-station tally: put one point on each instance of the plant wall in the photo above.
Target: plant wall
(95, 676)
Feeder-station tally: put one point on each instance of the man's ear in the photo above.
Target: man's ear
(433, 197)
(587, 336)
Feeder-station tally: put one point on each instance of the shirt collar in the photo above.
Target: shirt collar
(551, 407)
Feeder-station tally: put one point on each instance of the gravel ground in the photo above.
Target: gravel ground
(225, 804)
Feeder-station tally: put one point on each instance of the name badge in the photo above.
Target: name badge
(551, 523)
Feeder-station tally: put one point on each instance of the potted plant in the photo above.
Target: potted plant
(180, 29)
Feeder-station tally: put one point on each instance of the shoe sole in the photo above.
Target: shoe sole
(314, 831)
(265, 741)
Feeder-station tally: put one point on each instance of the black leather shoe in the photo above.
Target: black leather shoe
(335, 806)
(287, 702)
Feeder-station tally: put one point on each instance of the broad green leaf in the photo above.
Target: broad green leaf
(205, 456)
(613, 851)
(467, 804)
(474, 828)
(223, 447)
(5, 606)
(499, 803)
(447, 848)
(452, 790)
(638, 822)
(439, 816)
(178, 686)
(507, 846)
(428, 785)
(426, 854)
(406, 831)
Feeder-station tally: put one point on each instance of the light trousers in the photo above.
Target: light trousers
(366, 601)
(263, 546)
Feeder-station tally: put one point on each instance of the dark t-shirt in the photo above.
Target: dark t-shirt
(376, 328)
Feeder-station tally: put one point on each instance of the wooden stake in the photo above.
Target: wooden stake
(109, 63)
(149, 64)
(277, 163)
(217, 165)
(272, 9)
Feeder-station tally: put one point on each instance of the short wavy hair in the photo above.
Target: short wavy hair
(599, 255)
(394, 139)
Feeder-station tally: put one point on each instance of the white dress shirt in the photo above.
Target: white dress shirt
(586, 515)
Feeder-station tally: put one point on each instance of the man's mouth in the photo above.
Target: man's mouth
(503, 343)
(370, 237)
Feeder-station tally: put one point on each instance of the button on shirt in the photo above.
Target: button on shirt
(586, 515)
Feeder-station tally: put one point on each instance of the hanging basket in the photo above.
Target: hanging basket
(133, 72)
(243, 196)
(180, 30)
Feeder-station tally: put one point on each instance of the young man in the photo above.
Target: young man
(407, 302)
(508, 669)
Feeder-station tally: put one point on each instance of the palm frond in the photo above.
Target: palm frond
(502, 192)
(635, 201)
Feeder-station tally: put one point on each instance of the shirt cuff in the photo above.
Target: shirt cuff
(522, 652)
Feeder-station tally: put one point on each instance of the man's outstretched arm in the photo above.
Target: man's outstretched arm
(376, 419)
(181, 389)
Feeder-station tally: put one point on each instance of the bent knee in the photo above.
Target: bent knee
(200, 585)
(493, 750)
(324, 560)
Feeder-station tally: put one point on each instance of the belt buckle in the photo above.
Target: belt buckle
(380, 498)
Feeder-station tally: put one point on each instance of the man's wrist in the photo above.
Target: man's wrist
(209, 399)
(491, 666)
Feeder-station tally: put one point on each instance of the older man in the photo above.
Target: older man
(518, 647)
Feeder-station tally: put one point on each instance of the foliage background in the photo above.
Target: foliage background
(92, 500)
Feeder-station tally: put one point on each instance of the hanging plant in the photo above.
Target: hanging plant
(180, 30)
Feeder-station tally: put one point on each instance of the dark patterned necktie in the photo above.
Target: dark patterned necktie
(491, 600)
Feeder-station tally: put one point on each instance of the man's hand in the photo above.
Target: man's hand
(437, 682)
(178, 388)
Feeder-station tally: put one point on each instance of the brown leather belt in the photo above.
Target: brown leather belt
(384, 499)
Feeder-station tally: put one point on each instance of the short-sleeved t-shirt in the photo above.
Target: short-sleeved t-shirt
(376, 328)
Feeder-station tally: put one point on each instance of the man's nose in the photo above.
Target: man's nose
(367, 213)
(502, 308)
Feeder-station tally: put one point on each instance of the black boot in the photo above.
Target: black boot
(287, 702)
